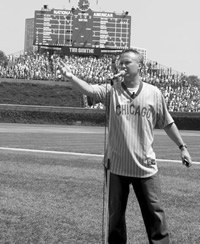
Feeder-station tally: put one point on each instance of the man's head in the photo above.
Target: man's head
(132, 61)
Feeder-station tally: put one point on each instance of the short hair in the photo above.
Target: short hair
(140, 57)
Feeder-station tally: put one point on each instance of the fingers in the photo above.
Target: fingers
(65, 69)
(187, 162)
(61, 64)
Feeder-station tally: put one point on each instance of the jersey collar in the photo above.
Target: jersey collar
(132, 95)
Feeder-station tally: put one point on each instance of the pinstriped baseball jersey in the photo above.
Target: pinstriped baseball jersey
(131, 124)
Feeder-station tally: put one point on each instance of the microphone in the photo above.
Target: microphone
(121, 73)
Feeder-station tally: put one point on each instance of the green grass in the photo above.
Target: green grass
(57, 199)
(39, 94)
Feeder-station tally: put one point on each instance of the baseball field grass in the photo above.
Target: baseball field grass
(49, 196)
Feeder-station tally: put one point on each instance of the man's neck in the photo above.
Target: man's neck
(132, 83)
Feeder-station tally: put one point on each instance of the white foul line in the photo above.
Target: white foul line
(50, 152)
(76, 154)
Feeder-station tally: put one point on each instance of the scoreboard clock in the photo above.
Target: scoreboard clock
(82, 28)
(83, 5)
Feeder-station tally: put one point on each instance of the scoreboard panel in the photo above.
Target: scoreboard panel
(87, 29)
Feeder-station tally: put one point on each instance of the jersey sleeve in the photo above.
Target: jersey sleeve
(101, 93)
(164, 118)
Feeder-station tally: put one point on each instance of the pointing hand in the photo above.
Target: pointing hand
(65, 70)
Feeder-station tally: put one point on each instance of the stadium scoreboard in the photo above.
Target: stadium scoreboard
(77, 28)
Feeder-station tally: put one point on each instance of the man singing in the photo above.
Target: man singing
(135, 108)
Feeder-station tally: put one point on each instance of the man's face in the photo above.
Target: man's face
(129, 62)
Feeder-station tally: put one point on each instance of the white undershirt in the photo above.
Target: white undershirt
(133, 90)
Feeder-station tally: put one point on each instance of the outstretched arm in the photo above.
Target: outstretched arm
(173, 133)
(78, 84)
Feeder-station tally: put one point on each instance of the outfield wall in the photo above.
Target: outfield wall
(11, 113)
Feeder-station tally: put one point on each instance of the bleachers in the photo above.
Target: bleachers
(179, 95)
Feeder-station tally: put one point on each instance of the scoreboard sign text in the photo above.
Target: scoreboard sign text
(82, 29)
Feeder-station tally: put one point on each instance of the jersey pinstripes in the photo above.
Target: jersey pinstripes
(131, 124)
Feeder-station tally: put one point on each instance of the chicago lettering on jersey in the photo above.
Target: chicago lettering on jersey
(130, 109)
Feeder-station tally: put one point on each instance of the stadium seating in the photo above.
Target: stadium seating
(179, 95)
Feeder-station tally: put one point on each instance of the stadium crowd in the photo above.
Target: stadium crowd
(179, 95)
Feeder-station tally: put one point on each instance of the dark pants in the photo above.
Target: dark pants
(147, 191)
